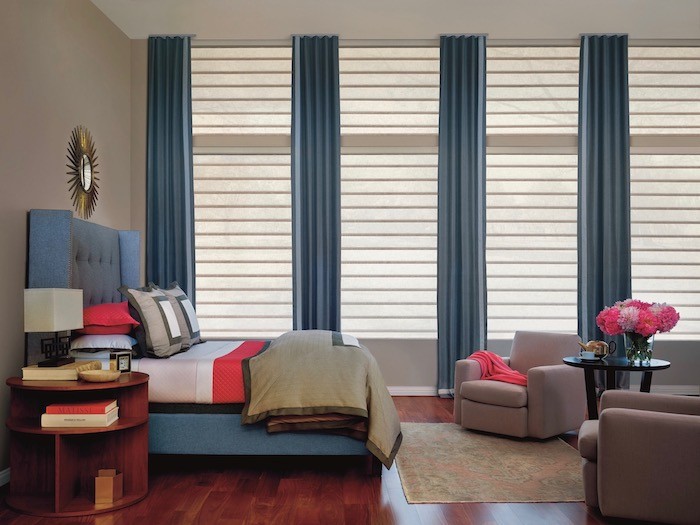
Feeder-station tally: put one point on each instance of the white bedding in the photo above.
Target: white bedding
(182, 378)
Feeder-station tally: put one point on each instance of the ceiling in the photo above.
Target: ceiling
(404, 19)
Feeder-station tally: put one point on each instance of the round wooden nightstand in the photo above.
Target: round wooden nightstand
(53, 469)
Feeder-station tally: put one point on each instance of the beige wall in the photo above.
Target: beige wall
(63, 64)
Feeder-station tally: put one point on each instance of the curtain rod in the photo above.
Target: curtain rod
(495, 42)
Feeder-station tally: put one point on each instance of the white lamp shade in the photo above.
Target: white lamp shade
(52, 309)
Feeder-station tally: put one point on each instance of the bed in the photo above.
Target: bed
(71, 253)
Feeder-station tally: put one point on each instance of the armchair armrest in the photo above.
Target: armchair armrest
(465, 370)
(655, 403)
(556, 400)
(648, 464)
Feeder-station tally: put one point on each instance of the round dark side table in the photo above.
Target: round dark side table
(612, 365)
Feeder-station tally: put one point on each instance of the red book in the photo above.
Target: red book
(88, 407)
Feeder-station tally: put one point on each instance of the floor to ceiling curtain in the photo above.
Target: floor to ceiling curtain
(604, 247)
(315, 183)
(461, 286)
(169, 179)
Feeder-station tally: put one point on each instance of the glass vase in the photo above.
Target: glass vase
(638, 348)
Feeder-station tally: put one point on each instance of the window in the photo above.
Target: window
(389, 100)
(531, 243)
(241, 105)
(389, 127)
(531, 189)
(665, 180)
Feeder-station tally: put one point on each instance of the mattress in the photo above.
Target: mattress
(207, 373)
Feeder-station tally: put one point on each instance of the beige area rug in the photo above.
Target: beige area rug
(444, 463)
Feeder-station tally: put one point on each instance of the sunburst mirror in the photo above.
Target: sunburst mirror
(82, 162)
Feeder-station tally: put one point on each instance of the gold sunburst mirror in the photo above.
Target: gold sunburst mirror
(82, 162)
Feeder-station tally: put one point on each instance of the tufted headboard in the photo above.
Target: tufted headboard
(63, 252)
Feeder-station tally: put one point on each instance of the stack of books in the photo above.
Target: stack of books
(101, 413)
(67, 372)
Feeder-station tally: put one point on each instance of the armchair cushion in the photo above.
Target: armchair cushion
(588, 440)
(495, 393)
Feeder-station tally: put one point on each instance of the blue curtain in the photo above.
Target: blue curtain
(461, 289)
(604, 250)
(169, 184)
(315, 183)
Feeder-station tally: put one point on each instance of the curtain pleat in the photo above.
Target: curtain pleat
(315, 183)
(461, 287)
(169, 179)
(604, 246)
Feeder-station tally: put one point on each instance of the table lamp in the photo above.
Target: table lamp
(53, 310)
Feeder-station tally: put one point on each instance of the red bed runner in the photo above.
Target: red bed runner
(227, 380)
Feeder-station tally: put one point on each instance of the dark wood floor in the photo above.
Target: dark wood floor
(227, 491)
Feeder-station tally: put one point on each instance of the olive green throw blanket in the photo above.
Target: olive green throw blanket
(312, 372)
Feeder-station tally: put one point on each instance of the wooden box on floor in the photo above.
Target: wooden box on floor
(109, 485)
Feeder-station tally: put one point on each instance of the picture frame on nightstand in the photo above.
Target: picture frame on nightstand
(120, 361)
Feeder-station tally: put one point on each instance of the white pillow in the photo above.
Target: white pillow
(93, 343)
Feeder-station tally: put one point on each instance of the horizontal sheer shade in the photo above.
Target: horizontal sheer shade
(531, 262)
(391, 90)
(664, 88)
(389, 245)
(243, 240)
(666, 236)
(241, 90)
(531, 90)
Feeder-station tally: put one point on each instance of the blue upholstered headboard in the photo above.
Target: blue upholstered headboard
(63, 252)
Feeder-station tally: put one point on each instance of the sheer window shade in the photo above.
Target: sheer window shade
(531, 242)
(665, 188)
(389, 106)
(664, 84)
(241, 90)
(389, 99)
(665, 204)
(242, 200)
(531, 90)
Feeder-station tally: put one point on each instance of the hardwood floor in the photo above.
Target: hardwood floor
(227, 491)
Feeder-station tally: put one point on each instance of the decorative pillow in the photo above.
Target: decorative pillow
(95, 343)
(163, 336)
(186, 316)
(108, 314)
(96, 329)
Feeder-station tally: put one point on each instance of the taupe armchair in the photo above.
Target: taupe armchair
(641, 459)
(553, 402)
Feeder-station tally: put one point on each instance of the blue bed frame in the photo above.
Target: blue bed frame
(64, 252)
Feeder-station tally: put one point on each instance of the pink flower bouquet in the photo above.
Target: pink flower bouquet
(633, 316)
(638, 321)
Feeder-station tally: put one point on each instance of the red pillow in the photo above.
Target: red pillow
(108, 314)
(95, 329)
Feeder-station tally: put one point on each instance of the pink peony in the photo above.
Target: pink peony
(668, 317)
(637, 317)
(629, 316)
(607, 321)
(646, 324)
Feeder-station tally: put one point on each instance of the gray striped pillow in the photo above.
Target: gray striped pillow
(163, 335)
(184, 310)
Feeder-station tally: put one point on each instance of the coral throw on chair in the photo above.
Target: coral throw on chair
(493, 368)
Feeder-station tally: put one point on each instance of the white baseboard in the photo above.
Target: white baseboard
(680, 390)
(4, 476)
(412, 390)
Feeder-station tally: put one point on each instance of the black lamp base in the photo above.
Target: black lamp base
(56, 350)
